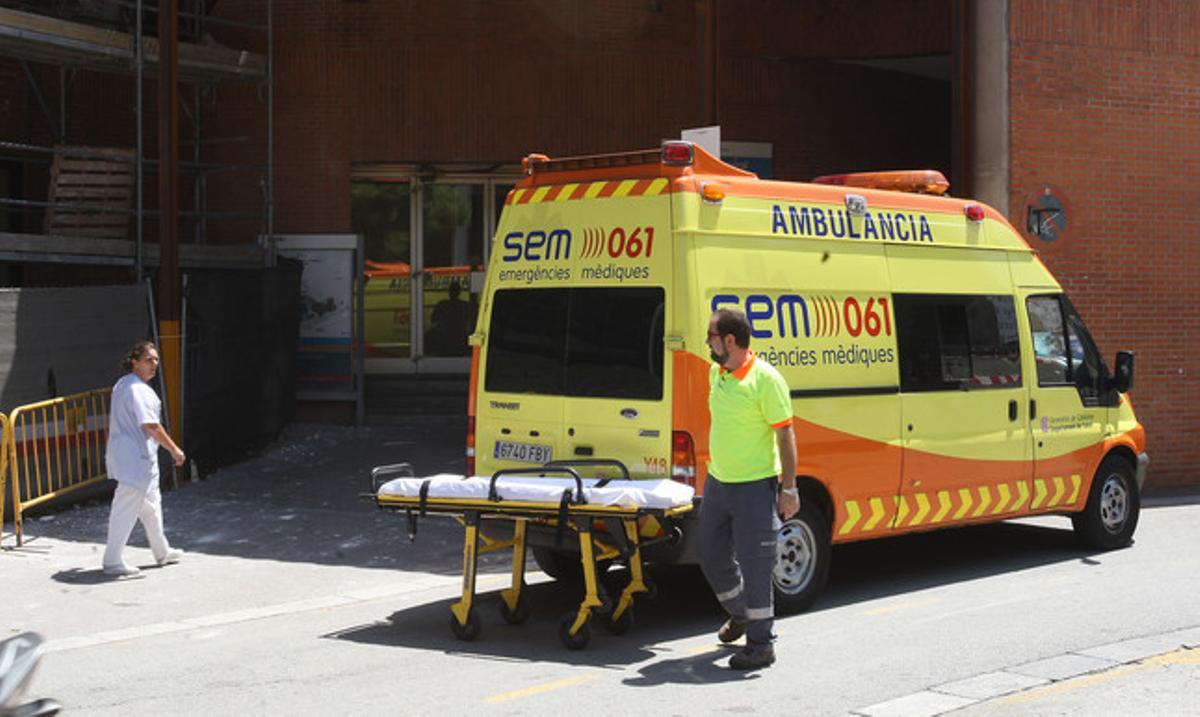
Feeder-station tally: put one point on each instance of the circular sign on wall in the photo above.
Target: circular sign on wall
(1046, 213)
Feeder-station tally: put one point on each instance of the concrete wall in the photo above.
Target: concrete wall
(1105, 105)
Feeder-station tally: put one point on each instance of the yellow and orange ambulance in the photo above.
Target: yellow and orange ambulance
(939, 375)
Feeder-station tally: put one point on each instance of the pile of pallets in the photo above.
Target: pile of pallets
(91, 192)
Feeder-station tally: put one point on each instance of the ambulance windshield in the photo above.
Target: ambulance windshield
(587, 342)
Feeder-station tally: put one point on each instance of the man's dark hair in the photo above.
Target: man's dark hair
(734, 321)
(137, 353)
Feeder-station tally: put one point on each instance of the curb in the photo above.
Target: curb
(956, 695)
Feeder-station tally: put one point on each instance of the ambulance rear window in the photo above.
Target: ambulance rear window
(584, 342)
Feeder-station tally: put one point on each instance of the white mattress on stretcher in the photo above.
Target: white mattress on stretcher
(633, 494)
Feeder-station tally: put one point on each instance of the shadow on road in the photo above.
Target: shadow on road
(685, 607)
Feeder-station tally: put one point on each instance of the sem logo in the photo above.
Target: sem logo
(795, 316)
(537, 245)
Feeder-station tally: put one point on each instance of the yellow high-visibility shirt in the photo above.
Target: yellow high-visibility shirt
(746, 406)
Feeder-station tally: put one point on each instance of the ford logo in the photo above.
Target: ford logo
(629, 413)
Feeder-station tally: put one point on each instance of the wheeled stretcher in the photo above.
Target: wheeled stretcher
(603, 514)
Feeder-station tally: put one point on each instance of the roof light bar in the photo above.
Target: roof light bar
(919, 181)
(536, 163)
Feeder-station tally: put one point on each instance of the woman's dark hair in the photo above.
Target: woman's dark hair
(137, 353)
(733, 321)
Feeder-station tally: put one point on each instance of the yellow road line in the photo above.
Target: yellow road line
(539, 689)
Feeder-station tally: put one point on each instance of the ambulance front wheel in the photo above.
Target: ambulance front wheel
(1111, 514)
(467, 632)
(802, 555)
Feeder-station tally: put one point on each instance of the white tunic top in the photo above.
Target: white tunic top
(132, 456)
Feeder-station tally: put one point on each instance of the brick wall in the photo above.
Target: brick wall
(1105, 104)
(407, 81)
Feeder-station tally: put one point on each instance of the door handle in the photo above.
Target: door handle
(1032, 409)
(1012, 410)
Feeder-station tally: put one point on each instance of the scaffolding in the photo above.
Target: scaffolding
(96, 192)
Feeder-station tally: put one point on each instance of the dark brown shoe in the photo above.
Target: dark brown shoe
(753, 657)
(731, 630)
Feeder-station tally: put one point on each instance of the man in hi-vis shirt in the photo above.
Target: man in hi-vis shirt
(751, 483)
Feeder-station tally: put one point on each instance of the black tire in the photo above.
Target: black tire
(1111, 514)
(517, 616)
(579, 640)
(802, 562)
(564, 566)
(621, 625)
(471, 630)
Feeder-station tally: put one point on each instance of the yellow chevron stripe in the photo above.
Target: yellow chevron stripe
(852, 516)
(1059, 489)
(922, 509)
(877, 513)
(567, 191)
(624, 188)
(1076, 481)
(964, 497)
(1039, 493)
(985, 499)
(657, 186)
(1022, 495)
(943, 506)
(1002, 489)
(593, 189)
(901, 510)
(518, 195)
(539, 194)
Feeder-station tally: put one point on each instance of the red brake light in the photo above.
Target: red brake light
(974, 212)
(683, 458)
(677, 153)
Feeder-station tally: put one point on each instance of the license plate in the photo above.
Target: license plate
(524, 452)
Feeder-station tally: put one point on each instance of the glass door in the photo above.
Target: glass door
(426, 245)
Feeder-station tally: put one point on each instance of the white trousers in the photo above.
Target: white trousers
(128, 506)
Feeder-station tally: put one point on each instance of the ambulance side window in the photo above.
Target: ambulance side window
(951, 341)
(1065, 353)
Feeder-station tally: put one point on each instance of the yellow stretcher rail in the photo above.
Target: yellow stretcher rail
(572, 514)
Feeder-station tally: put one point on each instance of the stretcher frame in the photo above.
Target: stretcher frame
(572, 513)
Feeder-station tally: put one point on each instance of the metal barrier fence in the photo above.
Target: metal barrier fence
(52, 448)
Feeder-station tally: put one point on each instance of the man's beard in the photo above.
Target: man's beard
(717, 358)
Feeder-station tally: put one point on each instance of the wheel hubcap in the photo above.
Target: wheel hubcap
(795, 557)
(1114, 504)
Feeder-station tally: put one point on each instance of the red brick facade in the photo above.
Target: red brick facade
(1105, 105)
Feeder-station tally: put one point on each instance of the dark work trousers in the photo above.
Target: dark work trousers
(736, 542)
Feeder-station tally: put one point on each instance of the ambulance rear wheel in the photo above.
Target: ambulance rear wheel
(802, 556)
(1111, 514)
(563, 565)
(580, 639)
(467, 632)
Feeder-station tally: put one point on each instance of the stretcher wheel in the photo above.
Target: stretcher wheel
(621, 625)
(467, 632)
(518, 616)
(577, 641)
(651, 589)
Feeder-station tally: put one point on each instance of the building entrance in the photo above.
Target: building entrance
(426, 243)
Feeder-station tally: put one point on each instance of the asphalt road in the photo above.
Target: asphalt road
(297, 598)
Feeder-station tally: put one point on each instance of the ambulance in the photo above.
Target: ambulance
(939, 375)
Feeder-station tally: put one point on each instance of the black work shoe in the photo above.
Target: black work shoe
(731, 630)
(753, 657)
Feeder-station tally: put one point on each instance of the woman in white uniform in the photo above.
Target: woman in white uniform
(135, 432)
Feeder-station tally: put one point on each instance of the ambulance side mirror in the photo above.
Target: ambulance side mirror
(1122, 379)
